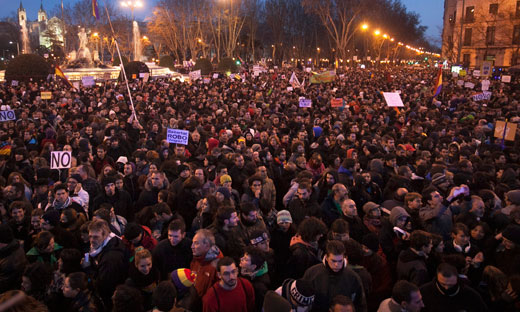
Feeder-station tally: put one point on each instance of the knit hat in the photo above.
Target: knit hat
(182, 168)
(183, 279)
(512, 233)
(283, 216)
(302, 292)
(108, 180)
(438, 179)
(259, 236)
(212, 143)
(122, 159)
(52, 217)
(225, 178)
(514, 196)
(6, 234)
(241, 139)
(224, 191)
(76, 177)
(132, 231)
(369, 206)
(273, 302)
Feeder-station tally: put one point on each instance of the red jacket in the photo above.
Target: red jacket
(148, 241)
(239, 299)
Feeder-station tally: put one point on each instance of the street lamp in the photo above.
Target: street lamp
(364, 26)
(132, 4)
(377, 32)
(17, 47)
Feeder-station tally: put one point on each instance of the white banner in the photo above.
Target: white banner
(506, 78)
(177, 136)
(485, 85)
(60, 160)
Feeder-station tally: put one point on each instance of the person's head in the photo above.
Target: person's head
(460, 234)
(202, 242)
(447, 279)
(477, 206)
(227, 217)
(312, 229)
(109, 185)
(74, 284)
(36, 216)
(252, 260)
(408, 296)
(284, 220)
(340, 230)
(348, 207)
(413, 201)
(335, 257)
(17, 210)
(432, 197)
(61, 193)
(421, 241)
(341, 303)
(98, 231)
(157, 179)
(44, 242)
(101, 151)
(143, 261)
(248, 213)
(127, 299)
(36, 278)
(133, 233)
(340, 191)
(176, 231)
(227, 272)
(304, 191)
(164, 296)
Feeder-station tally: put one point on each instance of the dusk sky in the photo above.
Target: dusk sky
(429, 11)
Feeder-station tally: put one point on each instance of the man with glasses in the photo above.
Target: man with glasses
(76, 191)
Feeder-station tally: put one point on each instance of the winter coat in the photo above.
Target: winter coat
(412, 267)
(121, 201)
(466, 299)
(303, 256)
(12, 265)
(330, 210)
(168, 258)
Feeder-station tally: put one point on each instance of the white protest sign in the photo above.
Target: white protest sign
(290, 88)
(88, 81)
(75, 84)
(215, 76)
(454, 74)
(283, 77)
(194, 75)
(146, 76)
(506, 78)
(482, 96)
(393, 99)
(14, 83)
(485, 85)
(256, 73)
(476, 73)
(469, 85)
(275, 67)
(305, 102)
(7, 115)
(60, 160)
(460, 83)
(206, 80)
(177, 136)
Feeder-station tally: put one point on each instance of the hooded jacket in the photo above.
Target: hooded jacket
(412, 267)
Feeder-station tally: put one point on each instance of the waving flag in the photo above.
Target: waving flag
(60, 74)
(438, 83)
(95, 10)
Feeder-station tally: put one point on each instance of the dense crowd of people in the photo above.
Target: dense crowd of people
(269, 206)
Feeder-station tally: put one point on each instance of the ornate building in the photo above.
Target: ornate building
(481, 30)
(43, 31)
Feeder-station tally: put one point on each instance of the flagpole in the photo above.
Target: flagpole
(502, 145)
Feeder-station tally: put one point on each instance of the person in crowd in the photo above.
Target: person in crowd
(12, 259)
(174, 252)
(406, 296)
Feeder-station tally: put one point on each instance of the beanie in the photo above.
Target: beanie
(76, 177)
(514, 196)
(52, 217)
(132, 230)
(369, 206)
(225, 178)
(283, 216)
(182, 168)
(108, 180)
(6, 234)
(183, 279)
(302, 292)
(512, 233)
(224, 191)
(438, 179)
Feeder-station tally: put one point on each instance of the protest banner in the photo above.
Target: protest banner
(506, 78)
(177, 136)
(194, 75)
(7, 115)
(482, 96)
(508, 133)
(305, 102)
(88, 81)
(469, 85)
(393, 99)
(46, 95)
(324, 77)
(336, 102)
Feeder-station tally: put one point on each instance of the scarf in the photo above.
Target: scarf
(94, 253)
(59, 206)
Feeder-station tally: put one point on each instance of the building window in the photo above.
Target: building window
(465, 59)
(490, 35)
(493, 8)
(470, 14)
(516, 34)
(467, 36)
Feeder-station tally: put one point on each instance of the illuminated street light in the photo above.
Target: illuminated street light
(377, 32)
(385, 36)
(132, 5)
(364, 26)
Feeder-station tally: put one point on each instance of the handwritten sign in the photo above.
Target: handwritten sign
(469, 85)
(510, 130)
(482, 96)
(336, 102)
(393, 99)
(88, 81)
(476, 73)
(177, 136)
(506, 78)
(46, 95)
(305, 102)
(7, 115)
(485, 85)
(60, 160)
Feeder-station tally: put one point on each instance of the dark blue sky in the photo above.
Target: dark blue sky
(430, 11)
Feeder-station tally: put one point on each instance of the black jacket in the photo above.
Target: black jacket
(12, 265)
(466, 299)
(412, 267)
(302, 257)
(121, 201)
(168, 258)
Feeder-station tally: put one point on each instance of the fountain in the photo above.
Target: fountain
(83, 50)
(137, 41)
(25, 39)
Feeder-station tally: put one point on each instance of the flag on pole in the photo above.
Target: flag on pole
(438, 83)
(95, 10)
(60, 74)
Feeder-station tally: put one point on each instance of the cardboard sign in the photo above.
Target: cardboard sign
(510, 130)
(469, 85)
(476, 73)
(454, 74)
(46, 95)
(485, 85)
(215, 76)
(506, 78)
(462, 72)
(206, 80)
(194, 75)
(393, 99)
(460, 83)
(60, 160)
(177, 136)
(14, 83)
(305, 102)
(336, 102)
(88, 81)
(482, 96)
(486, 68)
(7, 115)
(290, 88)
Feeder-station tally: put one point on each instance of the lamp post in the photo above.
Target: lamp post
(17, 47)
(364, 28)
(132, 4)
(318, 56)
